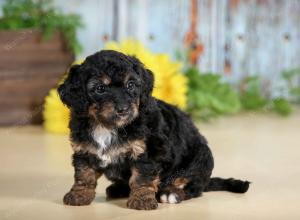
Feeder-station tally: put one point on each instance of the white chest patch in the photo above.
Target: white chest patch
(103, 137)
(108, 151)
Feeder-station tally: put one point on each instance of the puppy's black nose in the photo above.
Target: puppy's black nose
(122, 109)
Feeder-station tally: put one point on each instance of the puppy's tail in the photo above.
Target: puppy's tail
(231, 185)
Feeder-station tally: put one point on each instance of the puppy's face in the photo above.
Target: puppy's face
(114, 99)
(109, 87)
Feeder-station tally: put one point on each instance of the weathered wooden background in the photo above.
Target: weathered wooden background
(240, 37)
(29, 68)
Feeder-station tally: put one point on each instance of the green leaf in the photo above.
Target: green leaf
(282, 106)
(251, 96)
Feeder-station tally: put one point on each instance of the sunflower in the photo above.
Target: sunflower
(170, 84)
(56, 114)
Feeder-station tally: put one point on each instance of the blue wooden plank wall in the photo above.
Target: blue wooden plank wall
(249, 36)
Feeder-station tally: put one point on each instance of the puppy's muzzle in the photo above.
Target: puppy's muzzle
(122, 110)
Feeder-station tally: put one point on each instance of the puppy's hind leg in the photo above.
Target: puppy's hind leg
(170, 194)
(182, 188)
(194, 188)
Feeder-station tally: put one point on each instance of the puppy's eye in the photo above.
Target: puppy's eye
(100, 89)
(130, 86)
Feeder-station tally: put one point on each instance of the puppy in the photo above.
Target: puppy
(150, 150)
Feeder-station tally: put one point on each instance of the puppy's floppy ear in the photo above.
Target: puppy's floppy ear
(73, 91)
(147, 78)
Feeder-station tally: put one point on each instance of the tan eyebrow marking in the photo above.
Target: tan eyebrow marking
(126, 79)
(105, 79)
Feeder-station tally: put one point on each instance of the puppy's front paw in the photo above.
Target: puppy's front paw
(79, 198)
(141, 203)
(142, 200)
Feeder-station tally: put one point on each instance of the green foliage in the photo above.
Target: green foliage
(291, 74)
(295, 93)
(292, 79)
(40, 14)
(253, 98)
(251, 94)
(282, 106)
(208, 96)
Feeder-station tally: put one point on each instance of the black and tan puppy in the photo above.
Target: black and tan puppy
(150, 150)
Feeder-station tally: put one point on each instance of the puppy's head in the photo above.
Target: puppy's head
(109, 86)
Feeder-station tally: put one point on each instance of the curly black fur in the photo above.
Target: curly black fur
(105, 91)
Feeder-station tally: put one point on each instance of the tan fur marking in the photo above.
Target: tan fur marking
(107, 110)
(121, 122)
(104, 112)
(133, 178)
(105, 79)
(155, 183)
(126, 79)
(85, 148)
(135, 107)
(137, 147)
(180, 182)
(135, 182)
(92, 111)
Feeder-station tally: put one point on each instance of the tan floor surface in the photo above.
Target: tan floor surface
(35, 173)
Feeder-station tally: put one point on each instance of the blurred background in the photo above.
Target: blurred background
(213, 57)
